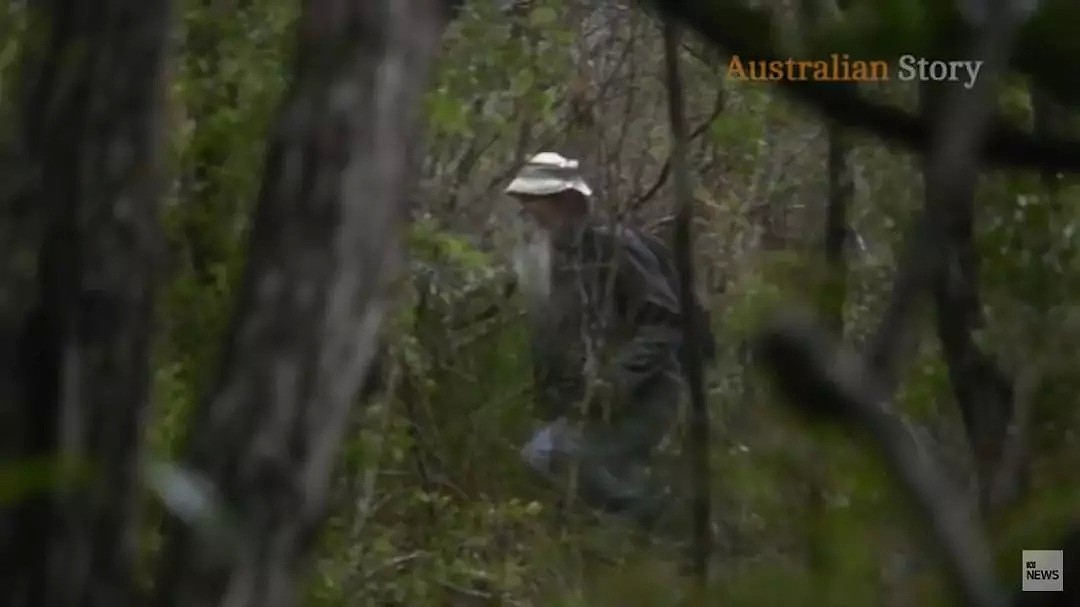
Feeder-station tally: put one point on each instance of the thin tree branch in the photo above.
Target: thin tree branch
(665, 169)
(552, 135)
(683, 247)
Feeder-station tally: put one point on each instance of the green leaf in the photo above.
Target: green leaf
(523, 83)
(541, 16)
(23, 479)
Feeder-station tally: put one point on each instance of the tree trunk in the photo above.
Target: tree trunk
(983, 392)
(78, 378)
(693, 368)
(325, 234)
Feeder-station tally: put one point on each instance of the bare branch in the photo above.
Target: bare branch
(693, 369)
(665, 169)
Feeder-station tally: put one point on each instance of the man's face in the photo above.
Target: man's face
(547, 211)
(554, 211)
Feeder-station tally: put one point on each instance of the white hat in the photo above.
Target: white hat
(549, 173)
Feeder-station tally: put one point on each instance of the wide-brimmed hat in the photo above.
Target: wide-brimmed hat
(549, 173)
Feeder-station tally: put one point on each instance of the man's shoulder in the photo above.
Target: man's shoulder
(631, 247)
(640, 245)
(621, 234)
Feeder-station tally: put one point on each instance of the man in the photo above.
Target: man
(606, 341)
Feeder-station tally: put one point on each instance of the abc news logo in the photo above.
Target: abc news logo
(1034, 573)
(1042, 571)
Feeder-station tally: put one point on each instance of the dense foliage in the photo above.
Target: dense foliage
(431, 503)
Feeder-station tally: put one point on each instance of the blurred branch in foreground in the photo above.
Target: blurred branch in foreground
(811, 370)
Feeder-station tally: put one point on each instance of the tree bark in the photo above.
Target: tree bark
(836, 225)
(692, 340)
(982, 391)
(77, 378)
(325, 235)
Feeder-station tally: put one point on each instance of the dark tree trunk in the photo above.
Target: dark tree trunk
(983, 392)
(693, 368)
(78, 378)
(324, 235)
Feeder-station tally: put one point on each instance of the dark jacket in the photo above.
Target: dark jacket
(611, 301)
(701, 320)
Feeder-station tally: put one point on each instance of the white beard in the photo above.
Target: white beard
(532, 264)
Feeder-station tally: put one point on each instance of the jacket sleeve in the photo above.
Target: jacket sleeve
(556, 391)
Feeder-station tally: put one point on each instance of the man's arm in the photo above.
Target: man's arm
(555, 391)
